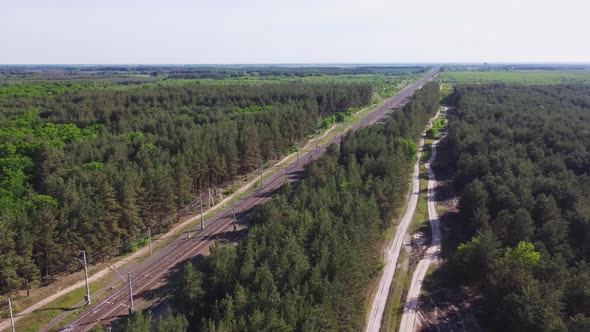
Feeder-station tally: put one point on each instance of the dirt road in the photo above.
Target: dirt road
(409, 319)
(393, 249)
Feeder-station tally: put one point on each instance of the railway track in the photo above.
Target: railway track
(151, 273)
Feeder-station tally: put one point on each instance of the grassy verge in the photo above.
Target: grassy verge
(395, 304)
(403, 274)
(41, 317)
(420, 218)
(420, 222)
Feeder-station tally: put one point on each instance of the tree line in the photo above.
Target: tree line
(313, 249)
(522, 156)
(85, 168)
(140, 74)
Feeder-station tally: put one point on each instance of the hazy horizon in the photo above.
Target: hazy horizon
(302, 64)
(259, 32)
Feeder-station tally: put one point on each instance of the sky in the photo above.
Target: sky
(296, 31)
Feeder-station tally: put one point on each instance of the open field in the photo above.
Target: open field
(517, 77)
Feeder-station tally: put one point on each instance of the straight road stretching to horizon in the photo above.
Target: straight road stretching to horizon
(153, 273)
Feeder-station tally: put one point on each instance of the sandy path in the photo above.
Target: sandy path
(410, 315)
(393, 249)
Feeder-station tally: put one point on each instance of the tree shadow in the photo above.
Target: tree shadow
(448, 305)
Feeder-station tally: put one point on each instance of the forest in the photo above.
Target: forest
(138, 74)
(312, 250)
(521, 156)
(84, 166)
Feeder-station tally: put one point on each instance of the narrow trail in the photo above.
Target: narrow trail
(392, 251)
(409, 319)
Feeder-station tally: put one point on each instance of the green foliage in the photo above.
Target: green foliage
(114, 160)
(523, 256)
(254, 109)
(138, 244)
(432, 133)
(437, 126)
(472, 205)
(327, 122)
(138, 322)
(522, 159)
(189, 291)
(445, 92)
(143, 321)
(93, 166)
(41, 89)
(409, 147)
(172, 323)
(534, 307)
(312, 250)
(472, 259)
(293, 148)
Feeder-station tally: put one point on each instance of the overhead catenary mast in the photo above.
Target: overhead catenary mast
(86, 278)
(201, 201)
(130, 293)
(10, 311)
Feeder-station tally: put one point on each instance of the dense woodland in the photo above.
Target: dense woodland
(139, 74)
(82, 167)
(313, 249)
(522, 157)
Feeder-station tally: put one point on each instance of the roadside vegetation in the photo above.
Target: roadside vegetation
(521, 159)
(420, 223)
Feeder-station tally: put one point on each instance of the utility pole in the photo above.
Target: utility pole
(287, 173)
(86, 277)
(201, 201)
(234, 216)
(297, 156)
(10, 310)
(211, 200)
(150, 237)
(130, 293)
(221, 198)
